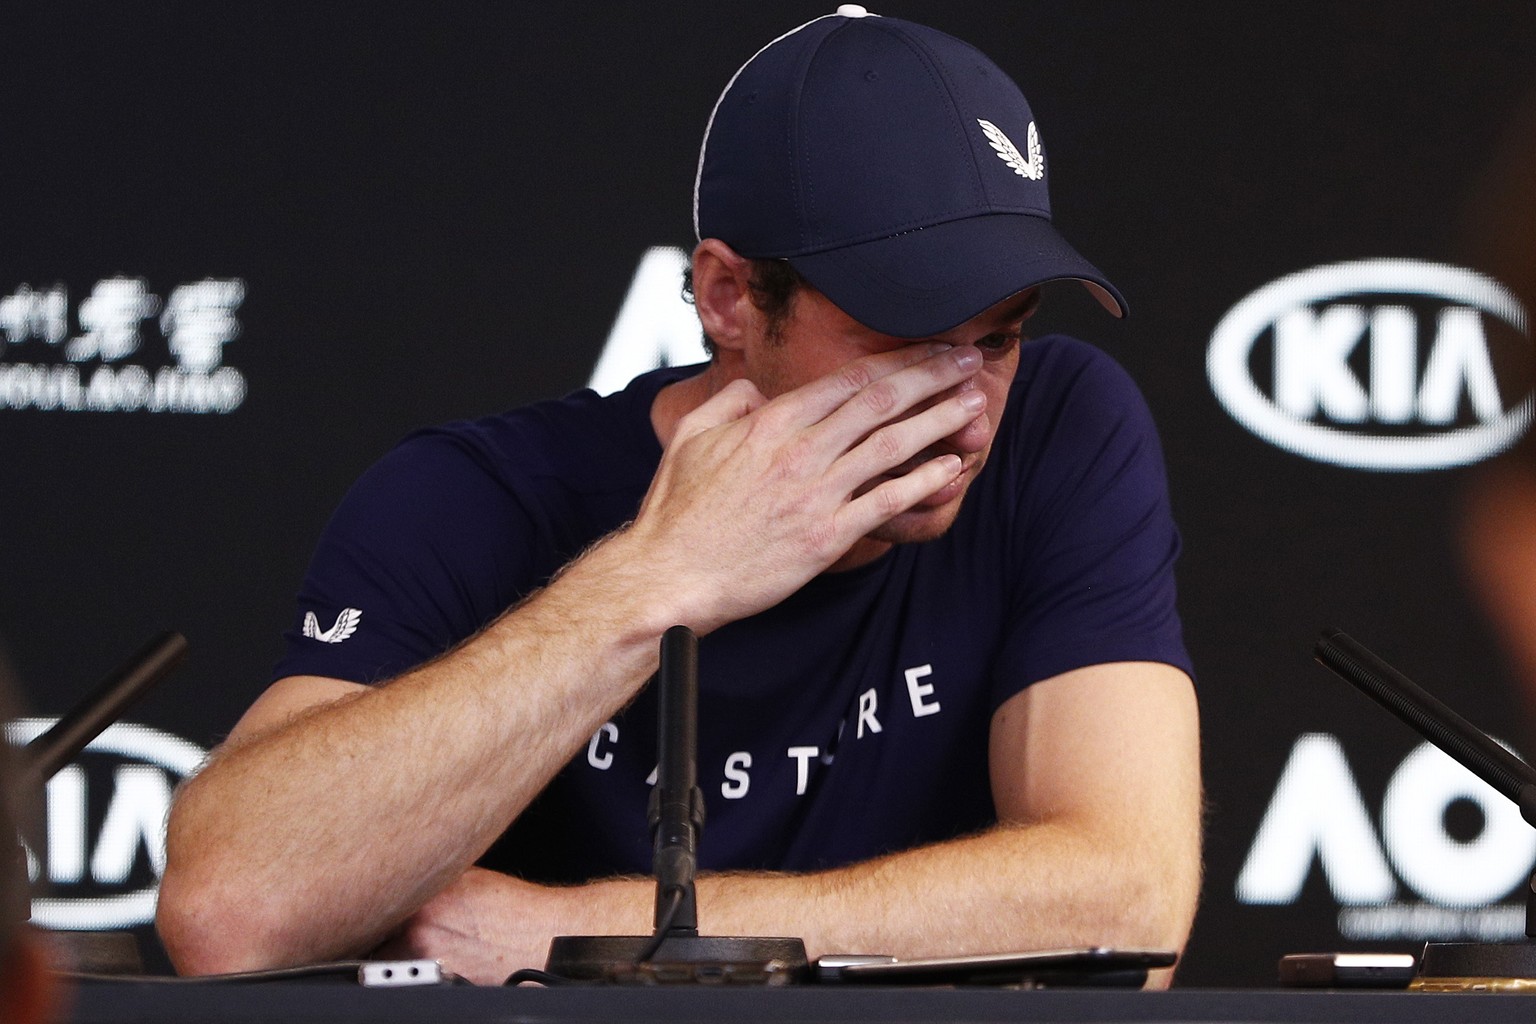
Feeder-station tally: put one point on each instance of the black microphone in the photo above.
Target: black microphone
(1448, 966)
(677, 805)
(44, 756)
(41, 759)
(676, 952)
(1470, 746)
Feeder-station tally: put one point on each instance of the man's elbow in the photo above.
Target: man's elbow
(1163, 871)
(1159, 907)
(210, 925)
(1139, 895)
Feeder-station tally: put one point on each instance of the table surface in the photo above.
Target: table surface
(120, 1002)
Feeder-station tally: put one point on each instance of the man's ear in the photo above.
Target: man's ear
(722, 293)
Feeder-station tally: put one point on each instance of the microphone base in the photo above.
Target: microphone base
(680, 960)
(1478, 960)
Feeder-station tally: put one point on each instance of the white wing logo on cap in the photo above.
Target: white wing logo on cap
(1008, 153)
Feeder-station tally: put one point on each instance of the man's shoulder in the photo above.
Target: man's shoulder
(577, 436)
(1062, 361)
(458, 521)
(1067, 387)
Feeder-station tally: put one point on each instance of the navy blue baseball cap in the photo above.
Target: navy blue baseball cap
(896, 168)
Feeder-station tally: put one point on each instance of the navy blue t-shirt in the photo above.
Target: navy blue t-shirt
(849, 721)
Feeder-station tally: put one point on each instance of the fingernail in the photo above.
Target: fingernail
(973, 400)
(967, 358)
(938, 346)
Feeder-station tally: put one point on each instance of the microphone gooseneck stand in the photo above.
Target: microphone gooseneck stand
(41, 759)
(676, 952)
(1479, 754)
(44, 756)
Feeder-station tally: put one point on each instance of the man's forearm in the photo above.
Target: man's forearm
(1011, 888)
(1014, 887)
(312, 839)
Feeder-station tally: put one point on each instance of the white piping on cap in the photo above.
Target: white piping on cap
(698, 175)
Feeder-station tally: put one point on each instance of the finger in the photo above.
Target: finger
(736, 400)
(892, 497)
(890, 398)
(895, 445)
(868, 379)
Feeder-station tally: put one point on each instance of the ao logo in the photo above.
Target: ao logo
(1399, 417)
(655, 327)
(107, 876)
(1318, 816)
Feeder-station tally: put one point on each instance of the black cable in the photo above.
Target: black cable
(536, 976)
(674, 901)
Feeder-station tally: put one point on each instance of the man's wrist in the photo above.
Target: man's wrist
(643, 594)
(610, 906)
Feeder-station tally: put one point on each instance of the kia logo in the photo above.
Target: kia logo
(104, 840)
(1371, 363)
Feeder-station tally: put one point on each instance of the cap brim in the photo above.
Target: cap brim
(923, 282)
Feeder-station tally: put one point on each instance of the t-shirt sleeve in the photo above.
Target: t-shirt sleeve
(1094, 532)
(418, 556)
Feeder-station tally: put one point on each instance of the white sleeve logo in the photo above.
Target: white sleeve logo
(1008, 153)
(345, 626)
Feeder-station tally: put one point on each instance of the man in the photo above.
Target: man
(945, 707)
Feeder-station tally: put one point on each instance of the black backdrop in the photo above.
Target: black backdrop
(436, 211)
